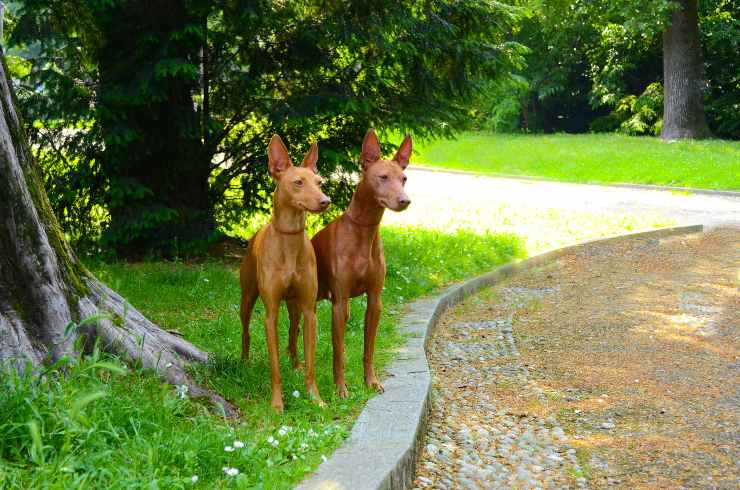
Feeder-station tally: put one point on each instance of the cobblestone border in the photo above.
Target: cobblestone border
(383, 446)
(624, 185)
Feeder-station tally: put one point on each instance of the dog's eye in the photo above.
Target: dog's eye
(298, 183)
(404, 179)
(383, 177)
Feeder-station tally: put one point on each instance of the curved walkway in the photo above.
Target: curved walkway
(551, 214)
(615, 365)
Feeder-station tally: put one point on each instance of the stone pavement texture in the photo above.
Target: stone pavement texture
(615, 365)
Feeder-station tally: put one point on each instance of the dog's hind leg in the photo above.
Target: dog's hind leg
(294, 313)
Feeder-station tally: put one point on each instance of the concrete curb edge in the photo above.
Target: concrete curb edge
(383, 446)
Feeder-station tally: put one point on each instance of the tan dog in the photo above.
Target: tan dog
(350, 254)
(280, 263)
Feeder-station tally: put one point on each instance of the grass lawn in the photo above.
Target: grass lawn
(594, 158)
(106, 425)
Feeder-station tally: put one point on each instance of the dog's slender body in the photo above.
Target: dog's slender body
(350, 255)
(280, 264)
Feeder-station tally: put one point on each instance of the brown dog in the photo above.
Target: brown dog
(280, 263)
(350, 254)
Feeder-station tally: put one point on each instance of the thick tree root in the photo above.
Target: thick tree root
(125, 331)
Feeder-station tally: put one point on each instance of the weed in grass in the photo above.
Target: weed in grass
(109, 426)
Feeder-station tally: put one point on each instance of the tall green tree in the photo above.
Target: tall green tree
(599, 66)
(683, 75)
(154, 116)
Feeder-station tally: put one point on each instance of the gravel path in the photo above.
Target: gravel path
(614, 366)
(474, 440)
(551, 214)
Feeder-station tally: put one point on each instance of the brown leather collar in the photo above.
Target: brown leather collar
(275, 227)
(353, 220)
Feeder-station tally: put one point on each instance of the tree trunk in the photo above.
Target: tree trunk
(44, 289)
(160, 200)
(683, 106)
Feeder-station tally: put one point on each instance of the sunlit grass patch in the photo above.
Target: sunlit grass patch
(137, 432)
(590, 158)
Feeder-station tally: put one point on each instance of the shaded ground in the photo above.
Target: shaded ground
(550, 214)
(632, 348)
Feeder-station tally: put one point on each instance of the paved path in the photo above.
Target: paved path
(566, 212)
(614, 366)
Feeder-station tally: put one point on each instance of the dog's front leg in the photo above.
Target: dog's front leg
(372, 318)
(339, 315)
(271, 334)
(309, 352)
(294, 313)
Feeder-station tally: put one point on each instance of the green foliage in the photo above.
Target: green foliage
(720, 38)
(588, 62)
(600, 158)
(154, 116)
(102, 425)
(635, 115)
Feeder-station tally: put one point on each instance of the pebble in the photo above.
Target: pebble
(472, 441)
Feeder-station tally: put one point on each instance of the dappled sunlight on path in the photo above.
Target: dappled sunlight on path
(634, 345)
(550, 214)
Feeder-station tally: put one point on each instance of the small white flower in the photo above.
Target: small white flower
(182, 390)
(324, 458)
(231, 471)
(228, 449)
(205, 279)
(304, 445)
(311, 433)
(194, 478)
(238, 444)
(295, 457)
(168, 365)
(270, 439)
(283, 430)
(296, 394)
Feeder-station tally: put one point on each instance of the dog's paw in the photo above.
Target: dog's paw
(277, 405)
(373, 383)
(342, 390)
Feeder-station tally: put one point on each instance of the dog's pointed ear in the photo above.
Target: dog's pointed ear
(311, 157)
(370, 150)
(278, 159)
(404, 153)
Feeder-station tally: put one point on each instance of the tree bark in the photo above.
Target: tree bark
(683, 70)
(44, 289)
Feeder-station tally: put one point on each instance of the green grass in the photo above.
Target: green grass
(592, 158)
(103, 425)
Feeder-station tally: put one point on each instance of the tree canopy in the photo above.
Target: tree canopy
(597, 66)
(152, 117)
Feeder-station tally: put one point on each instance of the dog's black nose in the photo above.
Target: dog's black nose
(324, 202)
(404, 202)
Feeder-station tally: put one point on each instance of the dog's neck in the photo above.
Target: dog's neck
(287, 219)
(364, 210)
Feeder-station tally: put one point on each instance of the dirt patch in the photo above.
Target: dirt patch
(634, 346)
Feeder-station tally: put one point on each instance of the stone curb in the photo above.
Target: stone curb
(383, 446)
(524, 178)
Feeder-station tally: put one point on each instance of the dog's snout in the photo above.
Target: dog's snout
(324, 202)
(404, 202)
